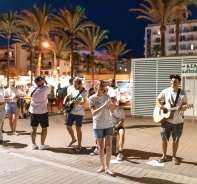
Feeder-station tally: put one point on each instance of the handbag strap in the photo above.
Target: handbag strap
(177, 96)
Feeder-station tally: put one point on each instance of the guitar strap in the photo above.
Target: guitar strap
(177, 96)
(79, 93)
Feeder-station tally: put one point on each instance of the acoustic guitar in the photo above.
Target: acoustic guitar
(161, 115)
(69, 105)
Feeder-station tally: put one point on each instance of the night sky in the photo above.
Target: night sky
(113, 15)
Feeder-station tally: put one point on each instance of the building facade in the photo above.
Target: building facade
(187, 39)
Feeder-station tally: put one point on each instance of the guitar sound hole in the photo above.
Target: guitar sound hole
(165, 111)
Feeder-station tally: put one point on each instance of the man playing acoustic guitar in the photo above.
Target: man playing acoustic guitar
(178, 98)
(78, 99)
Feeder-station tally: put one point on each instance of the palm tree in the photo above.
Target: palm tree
(116, 49)
(71, 20)
(87, 60)
(160, 12)
(91, 39)
(28, 38)
(182, 15)
(61, 44)
(58, 45)
(42, 21)
(100, 66)
(7, 27)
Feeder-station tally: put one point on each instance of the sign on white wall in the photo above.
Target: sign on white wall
(189, 69)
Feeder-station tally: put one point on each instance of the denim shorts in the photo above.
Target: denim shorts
(168, 128)
(100, 133)
(11, 108)
(77, 118)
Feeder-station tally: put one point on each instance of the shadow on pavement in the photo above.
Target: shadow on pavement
(142, 126)
(138, 154)
(71, 150)
(8, 144)
(146, 180)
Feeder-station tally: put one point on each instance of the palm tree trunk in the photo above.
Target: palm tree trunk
(8, 58)
(115, 66)
(31, 61)
(92, 68)
(177, 35)
(71, 55)
(162, 43)
(39, 55)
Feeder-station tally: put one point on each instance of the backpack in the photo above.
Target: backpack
(62, 92)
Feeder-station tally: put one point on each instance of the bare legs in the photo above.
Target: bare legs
(122, 138)
(12, 122)
(43, 135)
(105, 160)
(164, 149)
(79, 135)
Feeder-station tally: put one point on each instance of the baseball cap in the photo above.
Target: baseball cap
(38, 79)
(175, 76)
(113, 96)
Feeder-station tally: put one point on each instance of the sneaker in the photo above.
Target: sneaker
(44, 147)
(1, 142)
(119, 157)
(15, 133)
(96, 151)
(59, 112)
(34, 147)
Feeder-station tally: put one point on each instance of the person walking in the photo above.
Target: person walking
(11, 95)
(38, 111)
(21, 102)
(102, 124)
(173, 95)
(79, 98)
(59, 100)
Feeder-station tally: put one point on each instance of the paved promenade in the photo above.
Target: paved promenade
(60, 164)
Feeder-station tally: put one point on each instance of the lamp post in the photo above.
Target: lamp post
(46, 45)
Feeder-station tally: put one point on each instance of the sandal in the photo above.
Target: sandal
(162, 160)
(175, 161)
(71, 143)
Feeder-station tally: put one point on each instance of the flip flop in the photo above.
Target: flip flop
(175, 161)
(161, 160)
(71, 143)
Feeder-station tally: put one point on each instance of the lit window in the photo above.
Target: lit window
(192, 46)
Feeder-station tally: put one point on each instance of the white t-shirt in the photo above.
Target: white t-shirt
(2, 99)
(117, 115)
(2, 91)
(114, 91)
(169, 97)
(11, 94)
(70, 88)
(38, 104)
(103, 119)
(79, 109)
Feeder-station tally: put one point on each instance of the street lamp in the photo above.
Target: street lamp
(46, 45)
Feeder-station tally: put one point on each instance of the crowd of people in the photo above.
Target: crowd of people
(108, 117)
